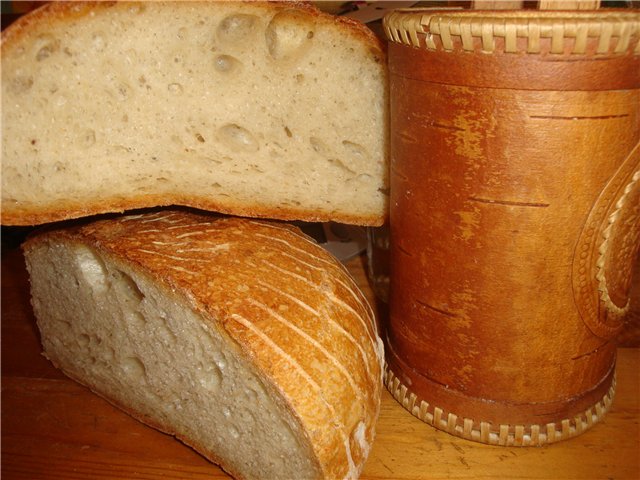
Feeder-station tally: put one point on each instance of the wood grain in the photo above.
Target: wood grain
(496, 5)
(568, 5)
(53, 428)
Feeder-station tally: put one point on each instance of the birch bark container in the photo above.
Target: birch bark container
(515, 216)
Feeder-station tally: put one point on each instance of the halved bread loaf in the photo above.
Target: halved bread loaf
(261, 109)
(244, 339)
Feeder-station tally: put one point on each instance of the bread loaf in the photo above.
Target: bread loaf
(261, 109)
(244, 339)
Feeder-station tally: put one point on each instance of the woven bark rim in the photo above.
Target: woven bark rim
(614, 32)
(481, 431)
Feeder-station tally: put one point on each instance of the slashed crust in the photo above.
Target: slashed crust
(290, 308)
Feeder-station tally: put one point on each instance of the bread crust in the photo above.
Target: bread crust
(286, 305)
(68, 210)
(57, 14)
(67, 11)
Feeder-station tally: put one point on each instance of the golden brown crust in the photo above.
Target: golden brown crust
(59, 211)
(49, 13)
(288, 305)
(65, 11)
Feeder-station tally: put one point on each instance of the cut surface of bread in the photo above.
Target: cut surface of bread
(261, 109)
(242, 338)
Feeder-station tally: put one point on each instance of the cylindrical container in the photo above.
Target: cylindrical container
(378, 261)
(515, 216)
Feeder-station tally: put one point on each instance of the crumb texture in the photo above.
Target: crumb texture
(242, 108)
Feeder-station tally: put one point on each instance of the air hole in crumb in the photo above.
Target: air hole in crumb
(127, 289)
(163, 329)
(250, 394)
(238, 138)
(355, 150)
(166, 333)
(226, 63)
(87, 139)
(92, 268)
(123, 91)
(319, 146)
(209, 378)
(133, 368)
(288, 132)
(65, 324)
(98, 42)
(59, 100)
(175, 88)
(20, 84)
(341, 165)
(288, 34)
(236, 28)
(247, 416)
(221, 362)
(363, 177)
(199, 137)
(136, 319)
(83, 340)
(46, 45)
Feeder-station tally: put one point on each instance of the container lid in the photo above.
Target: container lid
(597, 32)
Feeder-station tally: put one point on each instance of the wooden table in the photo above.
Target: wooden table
(52, 428)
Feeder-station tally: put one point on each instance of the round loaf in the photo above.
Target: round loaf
(243, 338)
